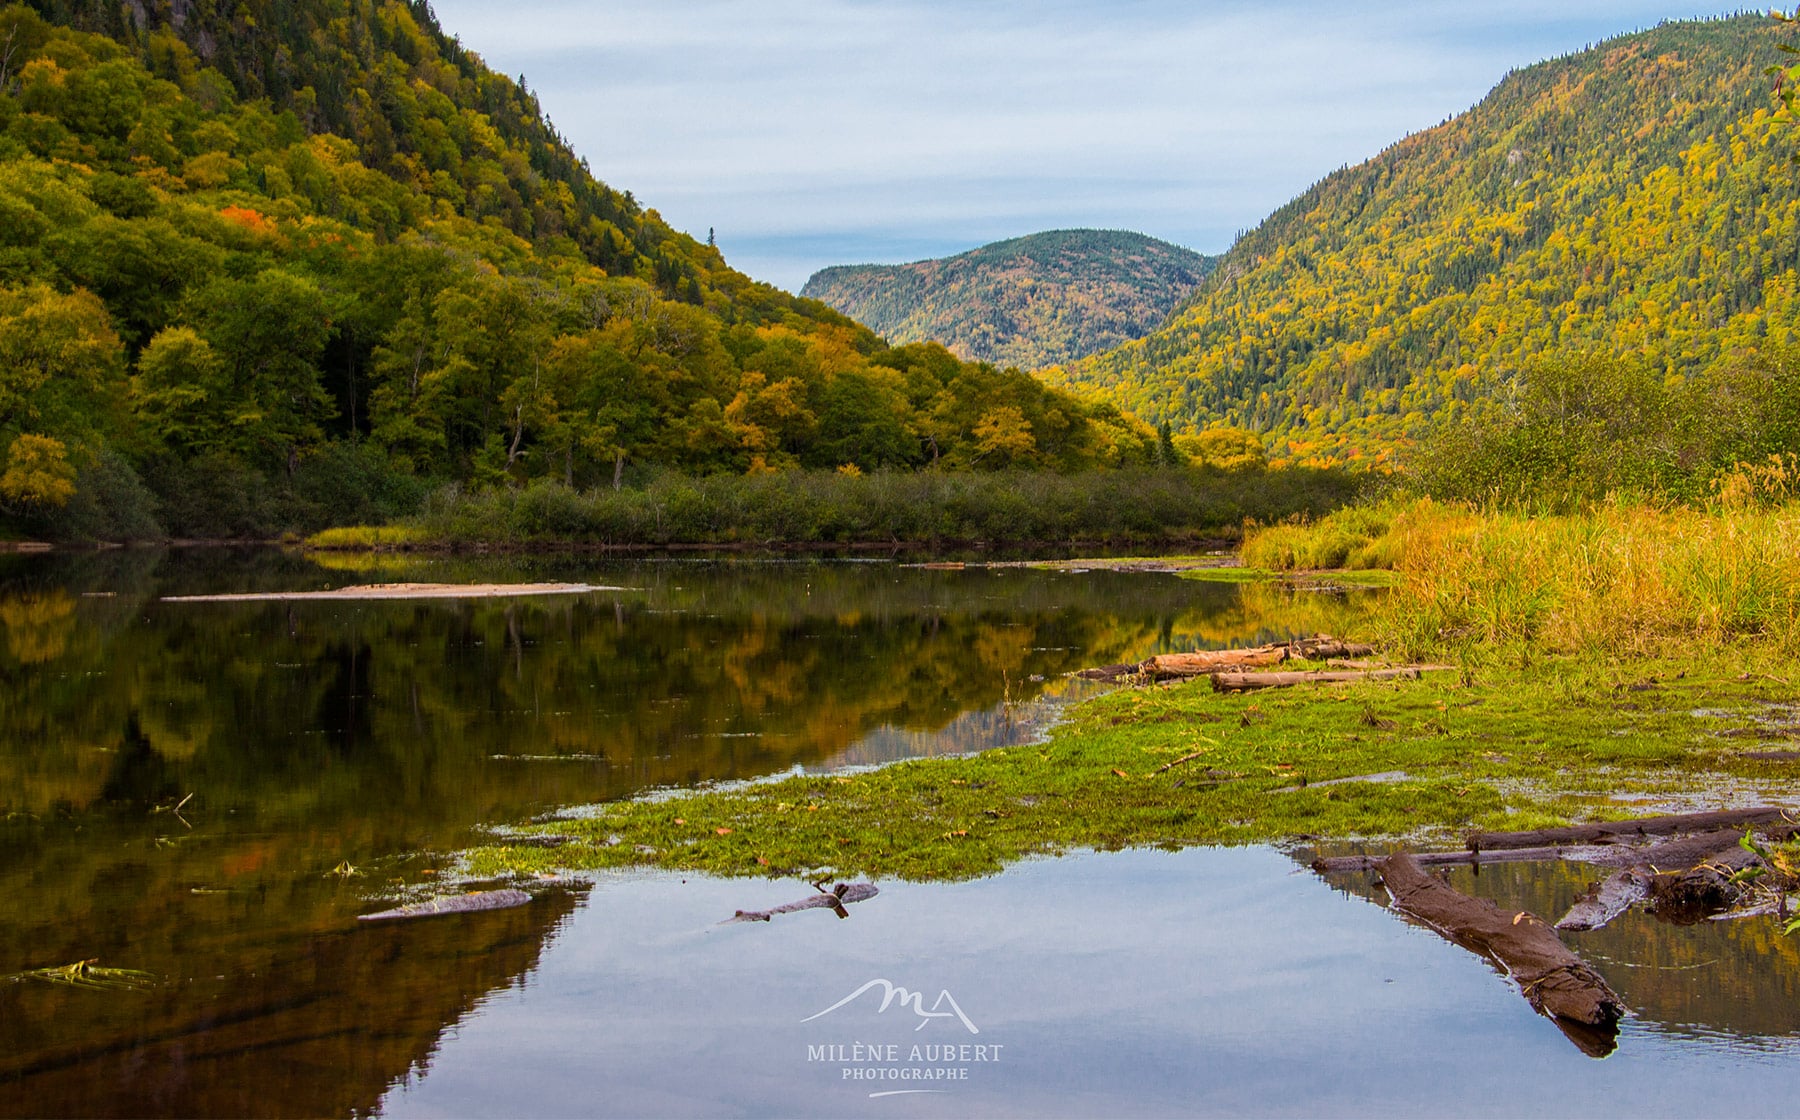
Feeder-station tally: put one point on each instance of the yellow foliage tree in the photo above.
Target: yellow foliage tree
(1225, 449)
(38, 473)
(1003, 437)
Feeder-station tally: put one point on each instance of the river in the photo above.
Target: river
(210, 793)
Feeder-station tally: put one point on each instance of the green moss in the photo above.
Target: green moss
(1499, 747)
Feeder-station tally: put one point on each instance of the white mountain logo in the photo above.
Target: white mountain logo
(944, 1007)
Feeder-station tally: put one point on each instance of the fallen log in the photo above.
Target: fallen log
(1323, 647)
(1554, 980)
(1179, 666)
(1613, 832)
(1248, 682)
(835, 898)
(452, 904)
(1575, 854)
(1611, 897)
(1108, 673)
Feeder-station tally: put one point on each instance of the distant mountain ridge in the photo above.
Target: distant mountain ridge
(1638, 199)
(1030, 302)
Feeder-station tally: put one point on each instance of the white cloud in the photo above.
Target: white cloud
(817, 132)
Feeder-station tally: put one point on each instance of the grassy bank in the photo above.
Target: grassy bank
(829, 507)
(1610, 664)
(1620, 581)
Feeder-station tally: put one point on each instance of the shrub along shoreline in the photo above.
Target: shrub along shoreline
(831, 508)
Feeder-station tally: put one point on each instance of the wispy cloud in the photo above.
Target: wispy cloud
(817, 132)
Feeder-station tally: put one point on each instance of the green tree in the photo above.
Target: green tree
(269, 331)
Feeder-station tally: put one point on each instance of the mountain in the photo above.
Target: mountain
(1639, 198)
(279, 263)
(1029, 302)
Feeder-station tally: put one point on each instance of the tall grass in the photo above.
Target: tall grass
(830, 507)
(1622, 579)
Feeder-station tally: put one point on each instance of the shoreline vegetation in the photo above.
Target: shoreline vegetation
(1632, 659)
(831, 509)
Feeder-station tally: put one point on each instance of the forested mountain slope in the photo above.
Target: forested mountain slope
(1028, 302)
(1635, 199)
(274, 263)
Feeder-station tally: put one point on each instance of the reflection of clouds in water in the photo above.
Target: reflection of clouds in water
(1204, 982)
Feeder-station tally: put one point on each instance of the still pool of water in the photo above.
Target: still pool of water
(1203, 982)
(211, 793)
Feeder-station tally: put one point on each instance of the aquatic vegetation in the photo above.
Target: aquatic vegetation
(1498, 747)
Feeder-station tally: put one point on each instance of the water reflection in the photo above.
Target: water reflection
(177, 781)
(1738, 979)
(1195, 983)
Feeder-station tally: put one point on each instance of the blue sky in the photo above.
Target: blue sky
(817, 132)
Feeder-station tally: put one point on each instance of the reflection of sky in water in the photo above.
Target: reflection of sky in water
(1139, 983)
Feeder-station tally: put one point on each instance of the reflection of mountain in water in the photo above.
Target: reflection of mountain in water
(1739, 979)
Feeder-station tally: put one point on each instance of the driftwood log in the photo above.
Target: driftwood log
(1579, 854)
(1615, 832)
(1185, 666)
(1248, 682)
(452, 904)
(1555, 981)
(835, 899)
(1172, 666)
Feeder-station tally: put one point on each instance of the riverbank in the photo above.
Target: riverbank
(1629, 661)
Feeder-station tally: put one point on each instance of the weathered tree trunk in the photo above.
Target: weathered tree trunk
(1555, 981)
(453, 904)
(1329, 864)
(834, 899)
(1611, 897)
(1324, 646)
(1176, 666)
(1614, 832)
(1247, 682)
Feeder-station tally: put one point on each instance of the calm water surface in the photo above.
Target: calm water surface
(212, 792)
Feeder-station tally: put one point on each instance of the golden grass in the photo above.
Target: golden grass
(1622, 580)
(357, 537)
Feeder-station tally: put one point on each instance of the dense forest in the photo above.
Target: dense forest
(273, 265)
(1638, 201)
(1028, 302)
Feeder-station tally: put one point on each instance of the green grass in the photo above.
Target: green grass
(1334, 577)
(1501, 746)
